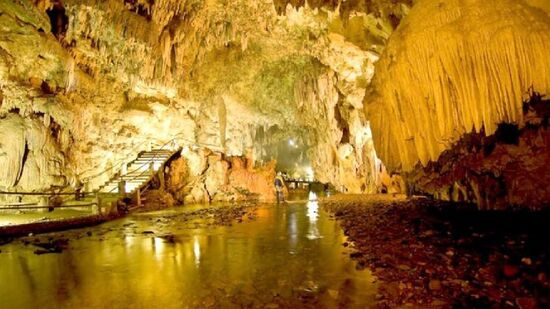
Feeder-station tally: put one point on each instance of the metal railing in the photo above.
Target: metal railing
(146, 164)
(42, 193)
(46, 205)
(35, 206)
(77, 194)
(121, 162)
(21, 205)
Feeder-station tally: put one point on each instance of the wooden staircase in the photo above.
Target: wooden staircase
(138, 172)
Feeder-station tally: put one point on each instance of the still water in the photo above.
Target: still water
(288, 256)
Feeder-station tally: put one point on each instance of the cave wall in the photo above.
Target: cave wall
(118, 76)
(507, 169)
(86, 85)
(363, 85)
(454, 67)
(34, 135)
(453, 74)
(342, 153)
(105, 78)
(31, 154)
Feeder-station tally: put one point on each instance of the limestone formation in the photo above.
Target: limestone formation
(495, 171)
(223, 180)
(454, 67)
(360, 86)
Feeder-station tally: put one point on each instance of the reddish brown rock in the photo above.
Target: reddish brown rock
(510, 270)
(177, 178)
(507, 168)
(526, 303)
(434, 285)
(446, 251)
(258, 180)
(157, 199)
(223, 179)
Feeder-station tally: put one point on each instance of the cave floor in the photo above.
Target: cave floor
(343, 251)
(247, 255)
(427, 253)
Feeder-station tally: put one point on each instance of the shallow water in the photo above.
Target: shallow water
(288, 256)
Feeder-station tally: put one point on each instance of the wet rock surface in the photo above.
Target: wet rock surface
(209, 216)
(435, 254)
(509, 167)
(51, 246)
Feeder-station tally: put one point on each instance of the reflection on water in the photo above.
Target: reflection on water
(289, 256)
(197, 250)
(312, 214)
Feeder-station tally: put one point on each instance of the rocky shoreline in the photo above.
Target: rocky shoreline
(436, 254)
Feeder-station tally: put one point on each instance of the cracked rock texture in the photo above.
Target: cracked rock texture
(507, 168)
(220, 179)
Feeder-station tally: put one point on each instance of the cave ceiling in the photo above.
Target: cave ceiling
(250, 51)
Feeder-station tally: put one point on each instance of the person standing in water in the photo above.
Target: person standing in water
(279, 186)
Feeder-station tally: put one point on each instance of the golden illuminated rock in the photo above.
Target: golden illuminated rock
(453, 67)
(87, 84)
(115, 77)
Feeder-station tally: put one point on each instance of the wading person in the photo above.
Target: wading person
(279, 186)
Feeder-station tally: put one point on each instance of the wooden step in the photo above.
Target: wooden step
(135, 181)
(138, 171)
(143, 166)
(115, 183)
(158, 154)
(150, 159)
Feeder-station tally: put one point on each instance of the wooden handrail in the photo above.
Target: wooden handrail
(146, 163)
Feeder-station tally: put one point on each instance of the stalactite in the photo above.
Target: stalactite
(30, 155)
(453, 67)
(132, 71)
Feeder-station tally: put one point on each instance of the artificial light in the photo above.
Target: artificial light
(291, 142)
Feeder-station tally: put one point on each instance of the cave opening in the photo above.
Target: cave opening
(142, 8)
(292, 159)
(288, 148)
(59, 20)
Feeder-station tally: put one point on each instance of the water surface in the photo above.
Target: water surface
(288, 256)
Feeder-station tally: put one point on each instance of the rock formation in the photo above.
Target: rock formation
(455, 67)
(495, 171)
(220, 179)
(359, 85)
(113, 76)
